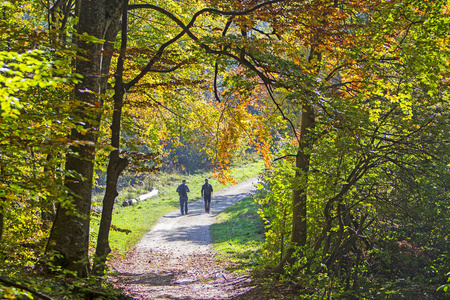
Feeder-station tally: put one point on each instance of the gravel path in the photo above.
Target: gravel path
(175, 259)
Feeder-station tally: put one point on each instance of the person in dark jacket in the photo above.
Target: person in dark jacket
(182, 191)
(206, 194)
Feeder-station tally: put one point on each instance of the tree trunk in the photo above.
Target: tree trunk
(116, 163)
(299, 232)
(2, 221)
(2, 217)
(70, 233)
(299, 197)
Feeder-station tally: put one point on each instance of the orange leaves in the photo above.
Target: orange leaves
(243, 125)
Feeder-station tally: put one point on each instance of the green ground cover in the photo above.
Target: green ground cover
(238, 235)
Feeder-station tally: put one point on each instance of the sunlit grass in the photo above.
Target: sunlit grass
(238, 235)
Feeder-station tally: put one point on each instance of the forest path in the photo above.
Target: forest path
(175, 259)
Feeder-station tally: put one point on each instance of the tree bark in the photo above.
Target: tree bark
(2, 217)
(1, 226)
(299, 196)
(299, 225)
(70, 233)
(299, 231)
(116, 163)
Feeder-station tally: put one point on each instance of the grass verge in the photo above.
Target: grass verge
(238, 236)
(132, 222)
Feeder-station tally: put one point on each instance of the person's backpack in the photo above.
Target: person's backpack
(208, 189)
(182, 190)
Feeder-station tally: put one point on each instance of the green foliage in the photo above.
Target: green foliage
(382, 234)
(378, 157)
(14, 68)
(446, 287)
(65, 285)
(35, 88)
(274, 207)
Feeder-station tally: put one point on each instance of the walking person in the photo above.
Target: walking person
(207, 189)
(182, 191)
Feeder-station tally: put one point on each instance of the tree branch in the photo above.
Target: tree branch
(284, 156)
(56, 6)
(162, 105)
(186, 30)
(216, 63)
(164, 70)
(25, 288)
(216, 72)
(210, 10)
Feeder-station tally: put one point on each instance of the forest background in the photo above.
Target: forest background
(345, 101)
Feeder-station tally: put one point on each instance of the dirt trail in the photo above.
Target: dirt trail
(175, 259)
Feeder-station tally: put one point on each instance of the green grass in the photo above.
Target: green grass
(140, 217)
(238, 235)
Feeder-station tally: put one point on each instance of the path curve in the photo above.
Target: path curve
(175, 259)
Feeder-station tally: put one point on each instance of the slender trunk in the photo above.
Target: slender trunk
(299, 231)
(70, 233)
(115, 167)
(2, 221)
(299, 198)
(116, 163)
(299, 226)
(2, 217)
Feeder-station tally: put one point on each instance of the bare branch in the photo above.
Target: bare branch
(216, 64)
